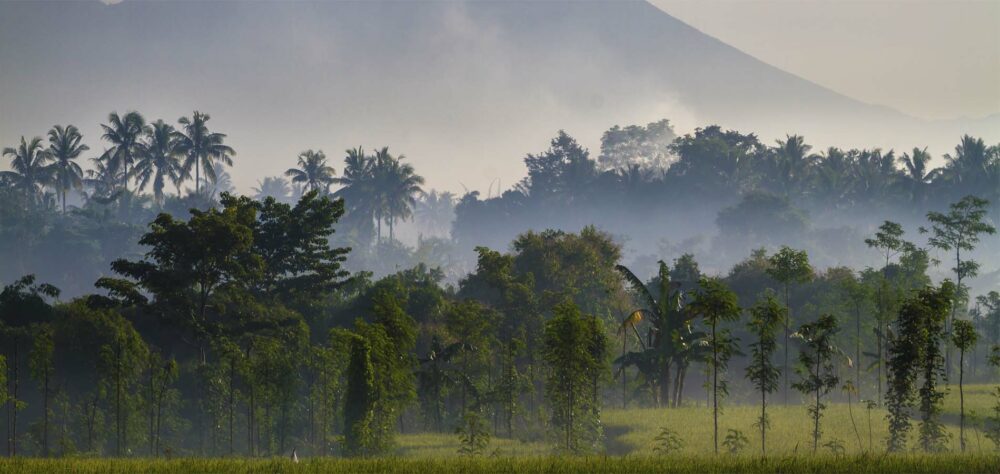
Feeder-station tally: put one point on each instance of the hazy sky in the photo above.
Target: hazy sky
(930, 59)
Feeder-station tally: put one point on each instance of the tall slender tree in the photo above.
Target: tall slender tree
(160, 162)
(964, 337)
(715, 304)
(766, 317)
(64, 148)
(816, 369)
(313, 171)
(124, 133)
(888, 240)
(29, 169)
(201, 148)
(959, 230)
(788, 266)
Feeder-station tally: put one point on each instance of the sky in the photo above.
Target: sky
(937, 59)
(465, 91)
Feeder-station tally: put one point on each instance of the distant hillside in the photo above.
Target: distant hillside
(464, 89)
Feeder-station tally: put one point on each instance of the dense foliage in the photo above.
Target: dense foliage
(207, 323)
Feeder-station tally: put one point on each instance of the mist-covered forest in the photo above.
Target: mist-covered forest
(150, 309)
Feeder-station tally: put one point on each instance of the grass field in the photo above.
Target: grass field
(628, 448)
(633, 431)
(553, 465)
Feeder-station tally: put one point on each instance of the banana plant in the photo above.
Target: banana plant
(670, 341)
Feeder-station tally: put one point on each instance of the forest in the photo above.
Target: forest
(703, 293)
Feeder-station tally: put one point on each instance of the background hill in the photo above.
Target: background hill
(463, 89)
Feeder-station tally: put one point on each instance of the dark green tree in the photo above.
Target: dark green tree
(888, 240)
(435, 375)
(959, 230)
(715, 303)
(765, 319)
(360, 400)
(914, 352)
(788, 266)
(817, 369)
(569, 351)
(964, 337)
(24, 305)
(41, 362)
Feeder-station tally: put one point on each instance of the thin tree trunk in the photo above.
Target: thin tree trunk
(152, 407)
(816, 414)
(13, 416)
(954, 309)
(624, 373)
(715, 389)
(45, 421)
(878, 355)
(763, 426)
(788, 317)
(961, 400)
(857, 348)
(232, 403)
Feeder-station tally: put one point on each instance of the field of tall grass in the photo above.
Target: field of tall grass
(629, 447)
(912, 463)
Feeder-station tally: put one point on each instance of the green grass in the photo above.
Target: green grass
(628, 448)
(633, 431)
(552, 465)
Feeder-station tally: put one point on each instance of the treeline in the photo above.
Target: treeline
(665, 192)
(714, 193)
(238, 332)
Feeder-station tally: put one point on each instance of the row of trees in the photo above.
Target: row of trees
(761, 193)
(239, 332)
(380, 187)
(152, 154)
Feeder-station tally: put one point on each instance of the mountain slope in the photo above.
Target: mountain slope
(464, 89)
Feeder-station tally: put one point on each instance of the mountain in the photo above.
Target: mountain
(464, 89)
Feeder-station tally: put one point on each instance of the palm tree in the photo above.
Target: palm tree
(874, 174)
(916, 177)
(358, 192)
(102, 179)
(64, 148)
(436, 211)
(221, 183)
(161, 161)
(831, 176)
(974, 169)
(397, 188)
(272, 186)
(313, 171)
(30, 170)
(357, 180)
(201, 148)
(793, 162)
(124, 134)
